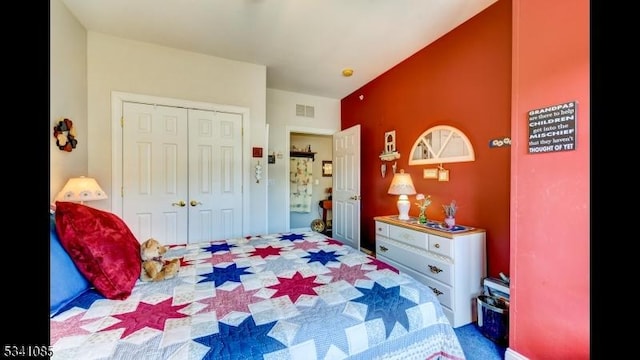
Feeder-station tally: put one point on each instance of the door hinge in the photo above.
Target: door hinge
(122, 121)
(122, 191)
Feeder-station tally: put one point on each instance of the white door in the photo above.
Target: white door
(215, 175)
(346, 186)
(155, 172)
(181, 173)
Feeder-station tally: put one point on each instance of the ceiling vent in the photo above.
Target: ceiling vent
(305, 110)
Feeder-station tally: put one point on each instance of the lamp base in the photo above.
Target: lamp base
(403, 207)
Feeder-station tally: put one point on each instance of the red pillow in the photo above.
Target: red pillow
(102, 247)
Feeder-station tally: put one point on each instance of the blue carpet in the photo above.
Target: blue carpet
(476, 346)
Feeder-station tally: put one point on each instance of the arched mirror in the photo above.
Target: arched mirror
(441, 144)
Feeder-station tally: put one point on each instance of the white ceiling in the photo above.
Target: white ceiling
(304, 44)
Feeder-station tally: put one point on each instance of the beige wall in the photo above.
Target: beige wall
(86, 67)
(116, 64)
(282, 120)
(68, 95)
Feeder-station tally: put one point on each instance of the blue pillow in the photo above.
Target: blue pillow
(65, 280)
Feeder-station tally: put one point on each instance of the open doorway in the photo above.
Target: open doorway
(309, 181)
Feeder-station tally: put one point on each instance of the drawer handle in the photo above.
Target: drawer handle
(437, 246)
(379, 229)
(436, 291)
(434, 269)
(382, 248)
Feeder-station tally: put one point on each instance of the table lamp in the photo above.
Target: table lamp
(402, 185)
(81, 189)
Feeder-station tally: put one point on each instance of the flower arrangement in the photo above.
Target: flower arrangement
(450, 209)
(423, 202)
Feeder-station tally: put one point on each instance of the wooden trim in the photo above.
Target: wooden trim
(412, 223)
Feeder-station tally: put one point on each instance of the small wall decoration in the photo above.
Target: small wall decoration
(430, 173)
(327, 168)
(65, 135)
(257, 152)
(258, 172)
(389, 153)
(443, 174)
(500, 142)
(390, 142)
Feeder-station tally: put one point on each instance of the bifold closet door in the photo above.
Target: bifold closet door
(182, 173)
(215, 175)
(155, 172)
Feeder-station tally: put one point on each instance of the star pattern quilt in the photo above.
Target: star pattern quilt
(277, 296)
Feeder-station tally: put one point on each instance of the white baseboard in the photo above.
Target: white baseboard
(512, 355)
(299, 230)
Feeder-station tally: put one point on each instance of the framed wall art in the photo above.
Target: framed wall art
(430, 173)
(443, 175)
(327, 168)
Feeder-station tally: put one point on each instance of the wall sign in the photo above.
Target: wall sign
(553, 128)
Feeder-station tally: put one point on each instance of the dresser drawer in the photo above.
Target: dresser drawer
(443, 293)
(415, 259)
(441, 245)
(409, 237)
(382, 228)
(439, 270)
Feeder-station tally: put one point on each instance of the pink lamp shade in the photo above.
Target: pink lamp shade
(81, 189)
(402, 185)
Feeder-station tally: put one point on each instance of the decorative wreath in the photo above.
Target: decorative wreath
(65, 135)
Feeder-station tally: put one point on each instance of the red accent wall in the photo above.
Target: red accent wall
(463, 80)
(550, 227)
(483, 78)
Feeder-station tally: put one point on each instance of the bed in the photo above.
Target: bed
(299, 295)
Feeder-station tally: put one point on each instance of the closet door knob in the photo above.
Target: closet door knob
(180, 203)
(195, 203)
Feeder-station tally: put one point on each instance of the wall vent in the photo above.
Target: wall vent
(305, 110)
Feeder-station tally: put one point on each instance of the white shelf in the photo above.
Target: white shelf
(390, 156)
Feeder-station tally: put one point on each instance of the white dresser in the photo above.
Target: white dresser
(453, 265)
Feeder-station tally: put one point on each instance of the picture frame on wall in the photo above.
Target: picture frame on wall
(327, 168)
(443, 175)
(430, 173)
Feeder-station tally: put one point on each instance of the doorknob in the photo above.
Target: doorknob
(355, 197)
(180, 203)
(195, 203)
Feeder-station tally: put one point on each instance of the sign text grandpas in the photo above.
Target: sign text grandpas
(552, 128)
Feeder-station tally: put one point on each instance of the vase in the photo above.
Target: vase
(422, 218)
(450, 222)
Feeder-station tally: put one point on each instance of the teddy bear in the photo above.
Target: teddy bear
(154, 267)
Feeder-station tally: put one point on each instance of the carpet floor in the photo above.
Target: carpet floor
(476, 346)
